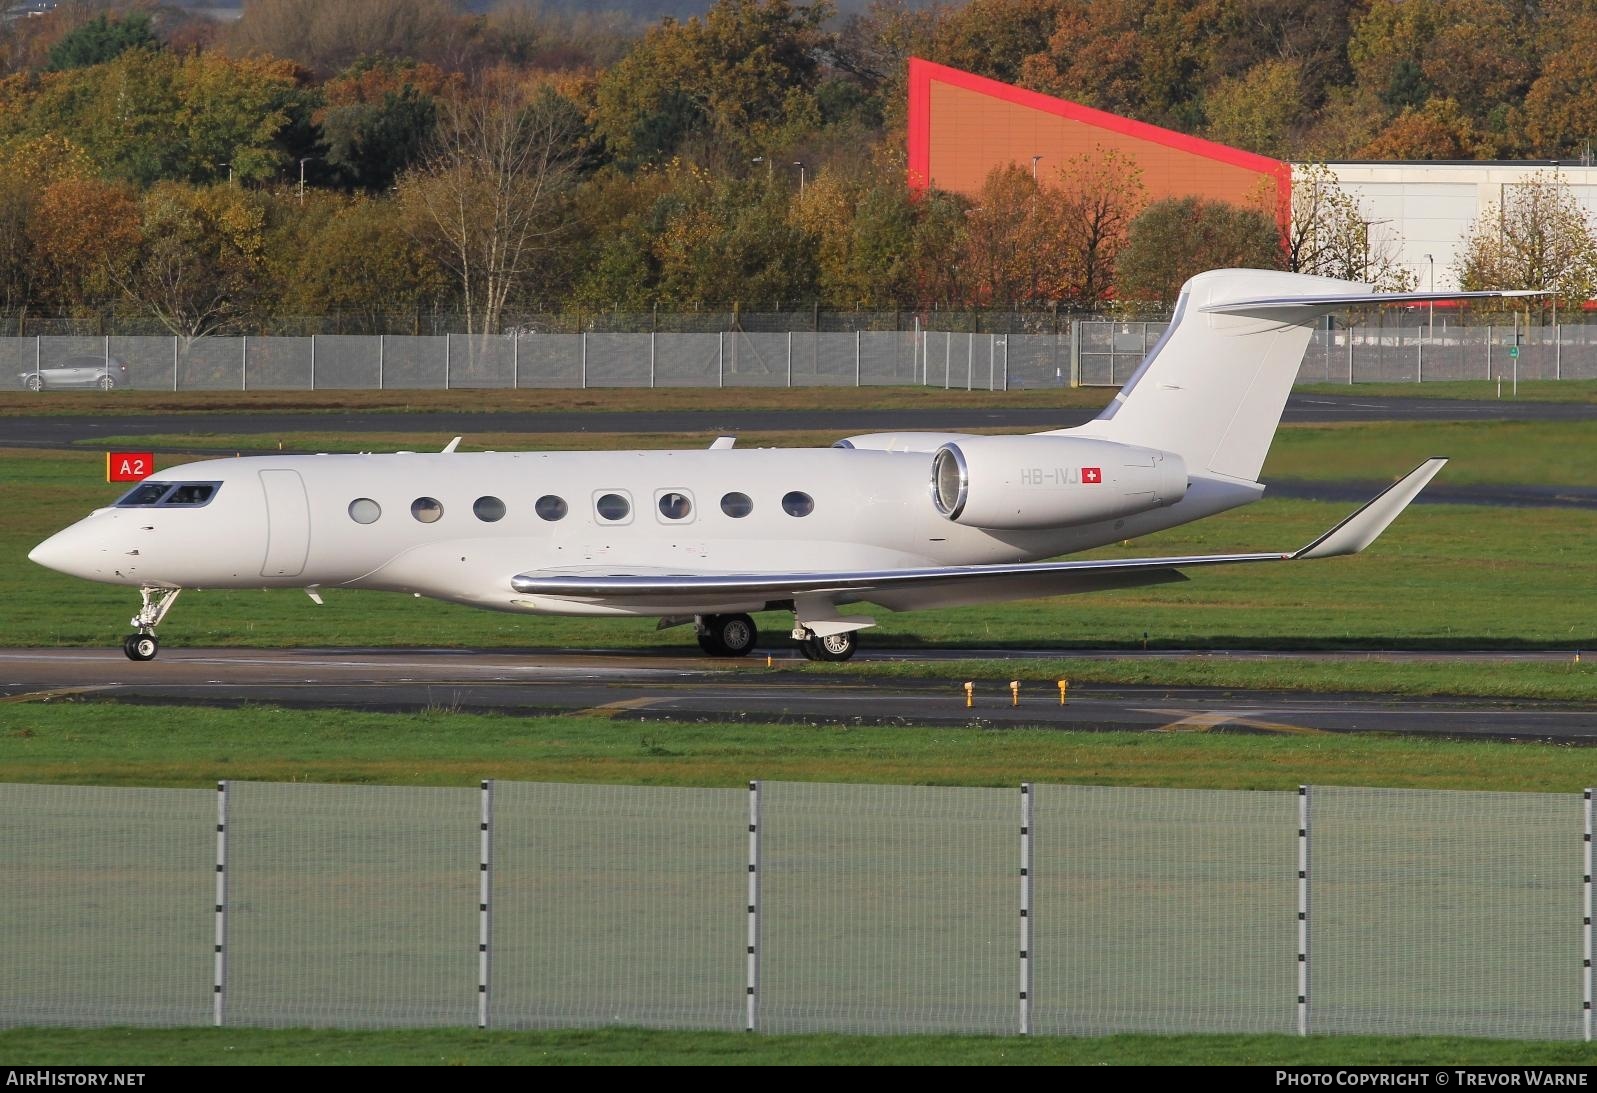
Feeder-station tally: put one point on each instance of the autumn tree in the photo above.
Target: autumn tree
(83, 236)
(1176, 238)
(1540, 237)
(197, 268)
(1330, 235)
(1260, 110)
(485, 201)
(1098, 195)
(328, 38)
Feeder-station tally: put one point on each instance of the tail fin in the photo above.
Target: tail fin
(1214, 388)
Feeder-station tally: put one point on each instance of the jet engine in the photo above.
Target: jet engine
(1026, 482)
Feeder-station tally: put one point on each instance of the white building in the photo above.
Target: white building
(1425, 209)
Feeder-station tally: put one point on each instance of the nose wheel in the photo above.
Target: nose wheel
(833, 647)
(141, 646)
(155, 603)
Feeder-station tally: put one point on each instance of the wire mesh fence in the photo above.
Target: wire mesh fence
(1070, 910)
(1083, 353)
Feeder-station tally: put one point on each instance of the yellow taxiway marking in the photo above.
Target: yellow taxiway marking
(610, 709)
(1203, 722)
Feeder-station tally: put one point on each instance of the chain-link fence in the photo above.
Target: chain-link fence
(799, 907)
(1088, 353)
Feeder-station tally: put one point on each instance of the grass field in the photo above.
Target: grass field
(638, 1047)
(108, 743)
(1481, 452)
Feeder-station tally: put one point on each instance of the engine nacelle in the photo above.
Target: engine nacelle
(1025, 482)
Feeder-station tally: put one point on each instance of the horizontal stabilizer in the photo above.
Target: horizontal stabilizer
(1356, 299)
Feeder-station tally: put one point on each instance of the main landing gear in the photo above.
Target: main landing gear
(156, 602)
(832, 647)
(727, 635)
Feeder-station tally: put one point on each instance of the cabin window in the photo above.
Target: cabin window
(737, 505)
(613, 507)
(488, 509)
(427, 509)
(550, 507)
(798, 503)
(675, 505)
(363, 510)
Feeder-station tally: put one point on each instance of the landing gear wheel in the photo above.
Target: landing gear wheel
(141, 646)
(833, 647)
(728, 635)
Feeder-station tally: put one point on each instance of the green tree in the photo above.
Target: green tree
(1540, 237)
(1260, 111)
(370, 144)
(353, 258)
(101, 39)
(198, 267)
(737, 76)
(1175, 238)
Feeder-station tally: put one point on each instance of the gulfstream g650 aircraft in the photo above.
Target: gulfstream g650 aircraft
(904, 520)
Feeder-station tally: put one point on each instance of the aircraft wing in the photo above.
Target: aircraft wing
(903, 589)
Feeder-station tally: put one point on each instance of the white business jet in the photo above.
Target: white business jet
(903, 520)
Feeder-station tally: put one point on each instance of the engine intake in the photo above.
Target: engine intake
(1028, 482)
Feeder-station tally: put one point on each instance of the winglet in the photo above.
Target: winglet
(1365, 526)
(451, 446)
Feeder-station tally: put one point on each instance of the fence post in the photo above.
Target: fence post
(38, 358)
(448, 355)
(720, 359)
(244, 364)
(174, 362)
(1303, 910)
(856, 359)
(992, 362)
(1488, 352)
(484, 891)
(948, 355)
(1350, 331)
(381, 347)
(1025, 908)
(790, 358)
(219, 965)
(1419, 349)
(1006, 360)
(313, 362)
(515, 359)
(652, 336)
(970, 360)
(1075, 353)
(751, 1020)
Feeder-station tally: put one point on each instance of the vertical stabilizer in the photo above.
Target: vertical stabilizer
(1213, 389)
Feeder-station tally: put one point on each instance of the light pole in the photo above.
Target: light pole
(1368, 224)
(765, 160)
(302, 163)
(1034, 160)
(799, 163)
(229, 167)
(1431, 305)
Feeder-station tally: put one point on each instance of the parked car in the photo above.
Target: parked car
(105, 373)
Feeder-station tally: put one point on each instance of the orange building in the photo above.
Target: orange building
(962, 125)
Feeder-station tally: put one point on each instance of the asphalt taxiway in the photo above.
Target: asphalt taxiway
(668, 687)
(62, 431)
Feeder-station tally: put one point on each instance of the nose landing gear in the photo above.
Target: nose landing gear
(156, 602)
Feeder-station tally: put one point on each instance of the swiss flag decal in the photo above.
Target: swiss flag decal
(1091, 476)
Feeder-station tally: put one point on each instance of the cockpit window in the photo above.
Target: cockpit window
(189, 494)
(145, 493)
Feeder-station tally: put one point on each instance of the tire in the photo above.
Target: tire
(834, 647)
(107, 383)
(710, 645)
(736, 634)
(34, 382)
(141, 646)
